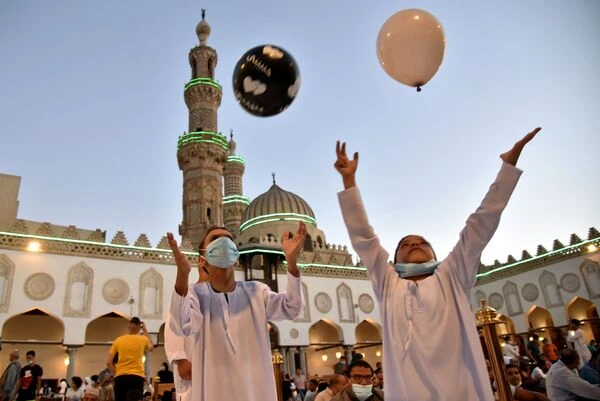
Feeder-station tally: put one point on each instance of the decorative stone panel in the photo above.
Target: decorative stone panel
(39, 286)
(79, 290)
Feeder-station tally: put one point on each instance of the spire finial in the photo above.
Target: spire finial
(273, 174)
(203, 13)
(230, 133)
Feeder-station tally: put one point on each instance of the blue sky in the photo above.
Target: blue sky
(91, 106)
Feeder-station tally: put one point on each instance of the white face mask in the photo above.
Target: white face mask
(362, 392)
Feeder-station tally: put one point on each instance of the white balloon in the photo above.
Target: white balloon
(410, 47)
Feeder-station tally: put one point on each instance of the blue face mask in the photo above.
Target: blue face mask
(416, 269)
(222, 253)
(362, 392)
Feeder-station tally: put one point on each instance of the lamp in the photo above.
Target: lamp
(324, 357)
(34, 246)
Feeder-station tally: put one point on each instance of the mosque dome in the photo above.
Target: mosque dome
(276, 205)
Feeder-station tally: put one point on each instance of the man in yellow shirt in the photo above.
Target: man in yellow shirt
(129, 371)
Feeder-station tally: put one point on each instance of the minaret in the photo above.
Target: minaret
(202, 151)
(234, 201)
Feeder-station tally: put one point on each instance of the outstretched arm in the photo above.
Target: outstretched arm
(287, 305)
(184, 308)
(464, 259)
(183, 266)
(363, 238)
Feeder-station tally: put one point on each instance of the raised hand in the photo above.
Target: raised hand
(183, 264)
(293, 244)
(513, 154)
(345, 166)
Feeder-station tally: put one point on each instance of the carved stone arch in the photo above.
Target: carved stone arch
(7, 275)
(78, 291)
(590, 270)
(308, 244)
(194, 193)
(550, 289)
(512, 299)
(304, 316)
(151, 294)
(345, 304)
(209, 192)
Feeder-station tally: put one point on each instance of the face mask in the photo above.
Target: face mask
(29, 362)
(362, 392)
(222, 253)
(416, 269)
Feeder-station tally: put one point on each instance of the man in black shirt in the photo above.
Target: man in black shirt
(30, 379)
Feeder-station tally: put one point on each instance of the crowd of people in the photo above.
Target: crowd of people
(539, 371)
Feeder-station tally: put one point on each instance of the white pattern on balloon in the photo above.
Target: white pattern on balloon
(254, 86)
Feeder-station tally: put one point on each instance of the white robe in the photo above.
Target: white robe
(177, 348)
(430, 342)
(575, 337)
(231, 352)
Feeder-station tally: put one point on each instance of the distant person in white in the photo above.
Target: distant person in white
(563, 384)
(575, 339)
(231, 352)
(431, 346)
(510, 350)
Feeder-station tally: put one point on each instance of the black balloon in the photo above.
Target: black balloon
(266, 80)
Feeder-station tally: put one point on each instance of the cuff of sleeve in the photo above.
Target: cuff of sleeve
(510, 170)
(176, 357)
(349, 195)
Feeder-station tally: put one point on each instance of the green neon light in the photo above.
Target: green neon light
(551, 253)
(261, 251)
(236, 198)
(85, 242)
(304, 265)
(202, 137)
(203, 81)
(277, 217)
(236, 158)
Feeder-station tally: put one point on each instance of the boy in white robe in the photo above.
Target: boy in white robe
(226, 321)
(430, 338)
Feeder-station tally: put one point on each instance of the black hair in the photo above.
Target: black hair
(360, 363)
(405, 237)
(30, 353)
(569, 356)
(208, 230)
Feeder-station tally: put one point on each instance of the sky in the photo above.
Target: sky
(91, 106)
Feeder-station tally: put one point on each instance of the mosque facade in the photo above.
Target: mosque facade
(67, 292)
